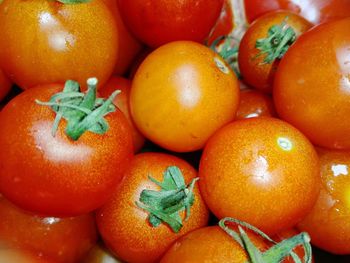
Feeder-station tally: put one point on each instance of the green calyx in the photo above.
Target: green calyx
(69, 2)
(175, 196)
(278, 40)
(276, 253)
(83, 112)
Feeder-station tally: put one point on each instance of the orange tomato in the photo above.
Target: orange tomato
(181, 94)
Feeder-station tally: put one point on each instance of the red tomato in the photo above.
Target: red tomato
(316, 11)
(5, 85)
(64, 240)
(56, 175)
(329, 221)
(260, 50)
(158, 22)
(125, 227)
(181, 94)
(262, 171)
(122, 102)
(312, 84)
(45, 42)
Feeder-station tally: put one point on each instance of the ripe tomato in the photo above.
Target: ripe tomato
(181, 94)
(158, 22)
(262, 171)
(64, 240)
(57, 176)
(254, 104)
(311, 89)
(261, 49)
(45, 42)
(122, 102)
(5, 85)
(125, 227)
(329, 221)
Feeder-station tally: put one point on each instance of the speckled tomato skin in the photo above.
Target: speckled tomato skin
(209, 244)
(47, 42)
(329, 221)
(55, 175)
(255, 72)
(181, 94)
(124, 226)
(5, 85)
(311, 88)
(261, 171)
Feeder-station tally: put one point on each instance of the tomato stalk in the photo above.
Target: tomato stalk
(73, 1)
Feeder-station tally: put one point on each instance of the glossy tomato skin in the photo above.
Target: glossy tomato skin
(181, 94)
(54, 175)
(47, 42)
(124, 226)
(315, 11)
(328, 223)
(64, 240)
(208, 244)
(311, 88)
(158, 22)
(122, 102)
(262, 171)
(5, 85)
(255, 72)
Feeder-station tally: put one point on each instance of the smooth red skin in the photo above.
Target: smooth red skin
(124, 226)
(254, 104)
(316, 11)
(64, 240)
(54, 175)
(329, 221)
(158, 22)
(254, 71)
(311, 88)
(262, 171)
(45, 42)
(122, 102)
(5, 85)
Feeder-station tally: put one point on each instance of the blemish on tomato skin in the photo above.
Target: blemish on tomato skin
(221, 66)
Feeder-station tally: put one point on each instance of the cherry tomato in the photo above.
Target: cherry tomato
(328, 223)
(64, 240)
(262, 171)
(262, 47)
(122, 102)
(125, 227)
(5, 85)
(181, 94)
(311, 88)
(158, 22)
(55, 175)
(45, 42)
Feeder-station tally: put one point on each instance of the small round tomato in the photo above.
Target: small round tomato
(254, 104)
(262, 171)
(265, 43)
(122, 102)
(45, 42)
(312, 84)
(329, 221)
(135, 230)
(5, 85)
(158, 22)
(45, 171)
(64, 240)
(181, 94)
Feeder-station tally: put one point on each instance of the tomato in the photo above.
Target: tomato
(20, 256)
(61, 239)
(328, 223)
(56, 175)
(125, 226)
(262, 171)
(122, 102)
(99, 254)
(158, 22)
(315, 11)
(46, 41)
(181, 94)
(311, 88)
(5, 85)
(260, 49)
(254, 104)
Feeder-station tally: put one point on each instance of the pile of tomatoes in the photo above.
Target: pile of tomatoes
(174, 131)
